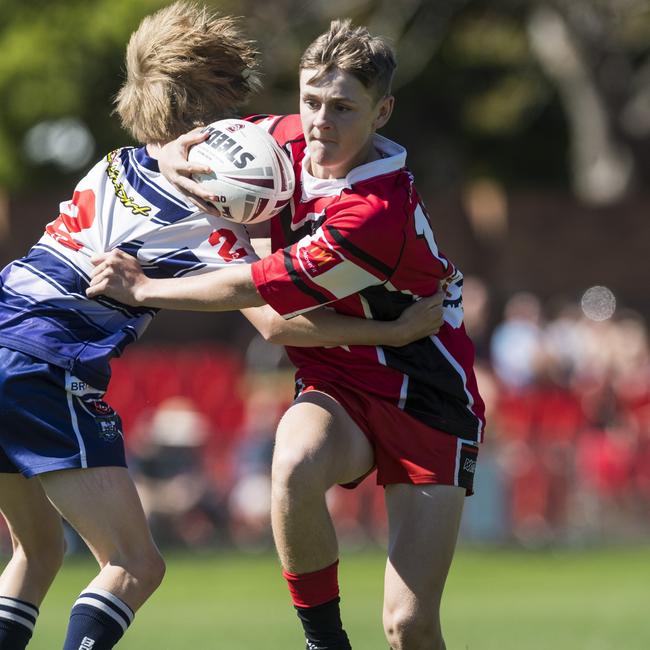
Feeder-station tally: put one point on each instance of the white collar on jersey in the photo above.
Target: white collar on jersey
(393, 158)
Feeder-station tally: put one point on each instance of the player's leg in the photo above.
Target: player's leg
(102, 505)
(317, 445)
(423, 525)
(37, 542)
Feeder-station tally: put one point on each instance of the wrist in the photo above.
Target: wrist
(396, 334)
(142, 292)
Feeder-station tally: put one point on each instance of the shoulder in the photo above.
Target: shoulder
(284, 128)
(379, 200)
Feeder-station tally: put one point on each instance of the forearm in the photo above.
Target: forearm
(225, 290)
(323, 328)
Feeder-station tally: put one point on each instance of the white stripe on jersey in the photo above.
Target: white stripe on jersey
(459, 369)
(123, 202)
(24, 281)
(75, 424)
(366, 307)
(157, 185)
(343, 278)
(459, 445)
(403, 394)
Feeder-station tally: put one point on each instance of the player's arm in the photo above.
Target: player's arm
(327, 328)
(119, 276)
(178, 170)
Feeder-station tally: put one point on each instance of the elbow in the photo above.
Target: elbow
(272, 329)
(276, 334)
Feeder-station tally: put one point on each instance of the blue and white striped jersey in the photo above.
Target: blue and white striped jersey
(123, 202)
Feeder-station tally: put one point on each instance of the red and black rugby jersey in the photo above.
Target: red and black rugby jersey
(364, 246)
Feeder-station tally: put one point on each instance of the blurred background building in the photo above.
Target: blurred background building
(528, 129)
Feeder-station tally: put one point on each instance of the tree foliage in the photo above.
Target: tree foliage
(479, 89)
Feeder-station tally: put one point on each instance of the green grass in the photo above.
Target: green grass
(495, 600)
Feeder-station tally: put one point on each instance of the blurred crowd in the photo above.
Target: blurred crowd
(566, 458)
(567, 387)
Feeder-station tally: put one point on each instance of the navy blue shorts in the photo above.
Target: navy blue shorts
(49, 420)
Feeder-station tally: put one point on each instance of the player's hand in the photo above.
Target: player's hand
(421, 319)
(174, 166)
(118, 276)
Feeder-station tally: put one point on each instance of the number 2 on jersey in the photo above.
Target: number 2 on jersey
(227, 239)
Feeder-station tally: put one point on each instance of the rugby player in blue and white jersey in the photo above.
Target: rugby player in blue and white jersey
(61, 446)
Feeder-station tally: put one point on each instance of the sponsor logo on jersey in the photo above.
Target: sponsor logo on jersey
(86, 643)
(317, 260)
(113, 174)
(109, 428)
(222, 143)
(469, 465)
(109, 425)
(78, 387)
(100, 407)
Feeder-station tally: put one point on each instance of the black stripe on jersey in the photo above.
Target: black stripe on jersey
(257, 118)
(276, 124)
(321, 298)
(436, 394)
(385, 304)
(357, 252)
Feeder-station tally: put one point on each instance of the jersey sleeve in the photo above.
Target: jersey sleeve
(284, 128)
(357, 247)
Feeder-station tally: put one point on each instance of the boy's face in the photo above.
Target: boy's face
(339, 115)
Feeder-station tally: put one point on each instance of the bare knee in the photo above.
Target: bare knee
(142, 570)
(297, 474)
(153, 570)
(413, 629)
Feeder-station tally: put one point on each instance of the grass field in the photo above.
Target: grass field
(495, 600)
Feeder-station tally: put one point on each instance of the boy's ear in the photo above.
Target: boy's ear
(384, 111)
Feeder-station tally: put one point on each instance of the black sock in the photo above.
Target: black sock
(17, 619)
(97, 621)
(323, 627)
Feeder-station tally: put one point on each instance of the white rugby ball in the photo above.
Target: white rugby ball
(252, 177)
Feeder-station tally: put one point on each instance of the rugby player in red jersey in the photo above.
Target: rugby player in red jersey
(357, 238)
(61, 445)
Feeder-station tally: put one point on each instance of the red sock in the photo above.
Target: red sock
(315, 588)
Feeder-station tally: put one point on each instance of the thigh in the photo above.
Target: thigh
(316, 431)
(103, 506)
(423, 523)
(32, 520)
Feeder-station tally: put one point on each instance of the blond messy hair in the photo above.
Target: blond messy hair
(186, 67)
(354, 50)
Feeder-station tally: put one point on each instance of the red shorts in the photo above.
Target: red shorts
(406, 450)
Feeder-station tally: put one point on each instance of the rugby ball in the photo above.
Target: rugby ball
(252, 178)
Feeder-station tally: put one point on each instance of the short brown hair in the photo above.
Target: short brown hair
(186, 67)
(355, 50)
